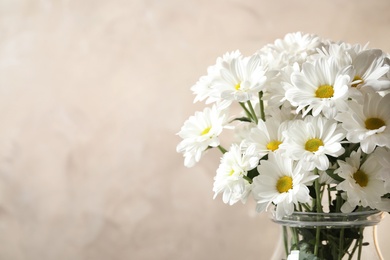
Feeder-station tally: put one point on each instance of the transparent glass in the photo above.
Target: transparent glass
(324, 236)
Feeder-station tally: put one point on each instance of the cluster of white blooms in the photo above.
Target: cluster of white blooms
(315, 114)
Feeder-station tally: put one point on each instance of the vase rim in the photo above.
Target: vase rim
(355, 213)
(331, 219)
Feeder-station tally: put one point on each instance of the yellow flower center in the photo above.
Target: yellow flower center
(374, 123)
(206, 131)
(284, 184)
(325, 91)
(273, 145)
(313, 144)
(361, 178)
(237, 86)
(357, 77)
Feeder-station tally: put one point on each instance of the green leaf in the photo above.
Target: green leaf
(252, 173)
(312, 192)
(305, 252)
(334, 176)
(243, 119)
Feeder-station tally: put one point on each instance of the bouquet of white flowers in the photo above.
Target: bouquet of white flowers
(312, 131)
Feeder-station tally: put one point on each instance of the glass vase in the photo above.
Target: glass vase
(328, 236)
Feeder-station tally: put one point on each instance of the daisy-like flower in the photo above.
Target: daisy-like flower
(281, 113)
(276, 89)
(320, 87)
(363, 184)
(368, 123)
(283, 182)
(200, 132)
(312, 140)
(231, 174)
(387, 62)
(369, 69)
(241, 79)
(204, 87)
(267, 136)
(383, 156)
(343, 53)
(294, 47)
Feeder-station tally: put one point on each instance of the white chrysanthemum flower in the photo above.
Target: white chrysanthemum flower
(274, 59)
(283, 182)
(241, 79)
(343, 53)
(369, 69)
(298, 43)
(312, 140)
(267, 136)
(276, 89)
(368, 123)
(281, 113)
(230, 178)
(294, 47)
(387, 62)
(369, 66)
(363, 184)
(204, 88)
(320, 87)
(383, 156)
(200, 132)
(228, 57)
(338, 52)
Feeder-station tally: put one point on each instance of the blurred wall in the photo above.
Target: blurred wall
(91, 95)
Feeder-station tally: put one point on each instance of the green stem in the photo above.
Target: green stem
(316, 246)
(261, 105)
(254, 116)
(223, 150)
(317, 188)
(294, 238)
(338, 202)
(248, 179)
(360, 243)
(285, 240)
(307, 208)
(341, 244)
(247, 112)
(354, 249)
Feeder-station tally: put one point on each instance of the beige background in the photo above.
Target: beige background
(91, 95)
